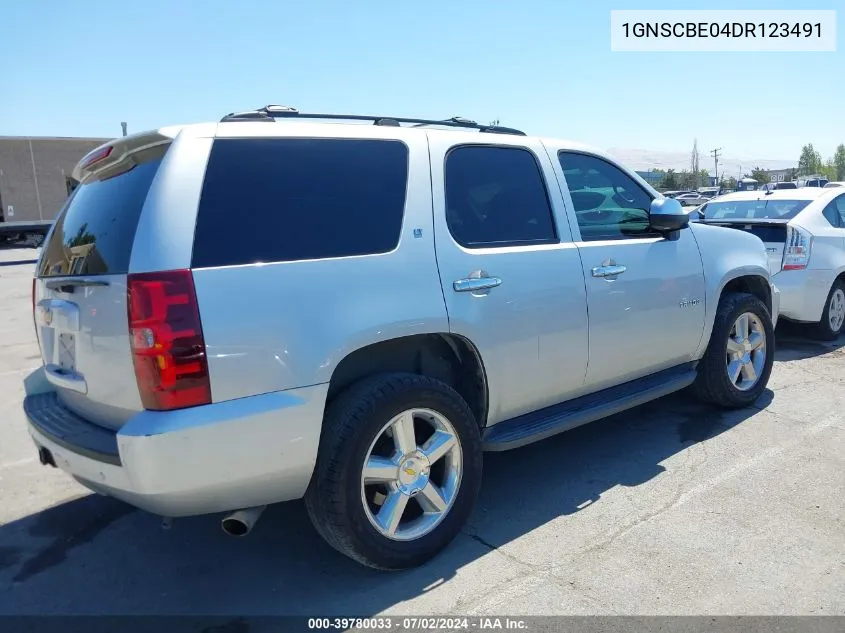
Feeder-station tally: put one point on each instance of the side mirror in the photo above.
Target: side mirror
(666, 215)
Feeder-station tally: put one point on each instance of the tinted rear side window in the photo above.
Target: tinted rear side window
(272, 200)
(95, 231)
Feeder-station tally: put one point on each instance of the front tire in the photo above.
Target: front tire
(398, 470)
(738, 362)
(833, 315)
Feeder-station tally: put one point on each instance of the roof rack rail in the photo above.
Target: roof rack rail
(272, 112)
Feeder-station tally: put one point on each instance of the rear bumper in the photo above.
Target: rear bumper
(224, 456)
(803, 293)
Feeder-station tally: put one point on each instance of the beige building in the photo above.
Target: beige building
(35, 174)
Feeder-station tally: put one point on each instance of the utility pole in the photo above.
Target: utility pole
(123, 127)
(715, 154)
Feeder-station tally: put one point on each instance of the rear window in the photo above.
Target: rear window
(95, 230)
(272, 200)
(765, 209)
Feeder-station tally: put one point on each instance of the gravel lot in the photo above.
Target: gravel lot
(668, 509)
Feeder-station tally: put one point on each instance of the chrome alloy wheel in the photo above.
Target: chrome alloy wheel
(411, 474)
(746, 355)
(836, 311)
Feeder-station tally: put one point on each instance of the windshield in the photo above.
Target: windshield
(753, 209)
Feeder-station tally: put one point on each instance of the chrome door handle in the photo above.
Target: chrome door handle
(474, 284)
(608, 271)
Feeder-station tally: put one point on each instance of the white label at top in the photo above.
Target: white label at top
(723, 31)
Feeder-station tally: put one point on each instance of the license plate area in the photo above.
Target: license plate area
(66, 357)
(58, 323)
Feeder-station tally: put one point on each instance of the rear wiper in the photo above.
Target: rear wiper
(68, 285)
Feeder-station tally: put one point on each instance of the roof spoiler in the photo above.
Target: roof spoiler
(119, 149)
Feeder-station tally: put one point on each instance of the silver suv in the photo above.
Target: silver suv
(352, 310)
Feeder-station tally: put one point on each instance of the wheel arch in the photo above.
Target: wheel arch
(757, 285)
(450, 358)
(753, 279)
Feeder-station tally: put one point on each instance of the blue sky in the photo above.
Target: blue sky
(78, 69)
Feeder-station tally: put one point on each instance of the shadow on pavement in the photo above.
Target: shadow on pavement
(795, 342)
(94, 555)
(17, 262)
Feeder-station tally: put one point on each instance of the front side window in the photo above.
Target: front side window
(496, 196)
(607, 202)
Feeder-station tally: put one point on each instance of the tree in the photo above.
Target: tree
(695, 170)
(493, 123)
(828, 170)
(731, 184)
(687, 180)
(669, 180)
(839, 162)
(810, 161)
(704, 177)
(759, 174)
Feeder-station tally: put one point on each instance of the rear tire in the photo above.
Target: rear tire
(368, 424)
(833, 315)
(738, 362)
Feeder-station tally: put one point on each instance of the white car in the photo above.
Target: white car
(804, 233)
(692, 199)
(833, 184)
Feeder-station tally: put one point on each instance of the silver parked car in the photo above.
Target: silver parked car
(276, 306)
(693, 199)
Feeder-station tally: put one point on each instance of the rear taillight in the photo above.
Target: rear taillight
(167, 343)
(796, 252)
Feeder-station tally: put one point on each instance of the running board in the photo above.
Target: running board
(538, 425)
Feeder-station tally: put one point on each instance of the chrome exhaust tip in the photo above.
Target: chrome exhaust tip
(240, 523)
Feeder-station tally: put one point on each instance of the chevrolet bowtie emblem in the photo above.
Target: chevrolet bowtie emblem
(409, 471)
